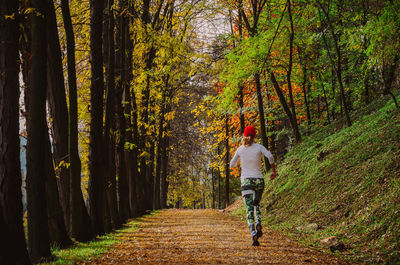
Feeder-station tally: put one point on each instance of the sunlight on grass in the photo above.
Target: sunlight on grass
(90, 250)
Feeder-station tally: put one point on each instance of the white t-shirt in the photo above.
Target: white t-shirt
(250, 160)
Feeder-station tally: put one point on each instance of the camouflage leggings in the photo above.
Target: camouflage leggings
(252, 190)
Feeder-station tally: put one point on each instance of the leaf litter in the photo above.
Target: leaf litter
(206, 237)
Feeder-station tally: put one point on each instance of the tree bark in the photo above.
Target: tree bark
(261, 117)
(57, 230)
(56, 99)
(38, 230)
(96, 187)
(160, 140)
(285, 106)
(338, 68)
(388, 76)
(306, 103)
(80, 226)
(272, 146)
(288, 75)
(227, 160)
(127, 180)
(161, 150)
(165, 159)
(240, 86)
(111, 182)
(326, 100)
(12, 244)
(333, 83)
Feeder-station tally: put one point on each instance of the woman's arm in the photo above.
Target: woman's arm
(267, 154)
(235, 159)
(271, 160)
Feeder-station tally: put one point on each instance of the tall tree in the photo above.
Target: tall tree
(57, 231)
(126, 168)
(80, 226)
(56, 99)
(227, 166)
(96, 179)
(240, 85)
(133, 189)
(12, 244)
(110, 122)
(252, 27)
(38, 235)
(289, 72)
(338, 64)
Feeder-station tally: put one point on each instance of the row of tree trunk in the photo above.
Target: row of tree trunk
(117, 189)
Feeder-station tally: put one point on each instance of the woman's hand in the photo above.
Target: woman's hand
(273, 174)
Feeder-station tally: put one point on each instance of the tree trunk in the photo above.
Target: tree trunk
(12, 244)
(142, 143)
(306, 103)
(57, 230)
(227, 160)
(219, 188)
(57, 101)
(80, 226)
(128, 178)
(213, 188)
(326, 100)
(136, 187)
(96, 187)
(38, 230)
(149, 57)
(109, 153)
(338, 68)
(288, 75)
(157, 176)
(240, 86)
(388, 76)
(285, 106)
(333, 83)
(261, 117)
(164, 160)
(272, 126)
(151, 168)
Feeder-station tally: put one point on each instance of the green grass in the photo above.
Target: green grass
(90, 250)
(347, 180)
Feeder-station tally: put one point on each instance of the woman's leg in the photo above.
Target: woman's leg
(259, 189)
(248, 194)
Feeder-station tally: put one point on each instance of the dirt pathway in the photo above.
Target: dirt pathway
(205, 237)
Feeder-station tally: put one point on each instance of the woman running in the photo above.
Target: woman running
(252, 181)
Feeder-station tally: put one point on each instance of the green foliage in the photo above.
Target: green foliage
(384, 34)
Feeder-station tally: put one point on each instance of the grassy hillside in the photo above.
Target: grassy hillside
(346, 180)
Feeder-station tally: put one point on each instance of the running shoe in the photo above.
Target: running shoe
(254, 238)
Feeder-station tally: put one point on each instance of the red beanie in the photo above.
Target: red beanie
(249, 131)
